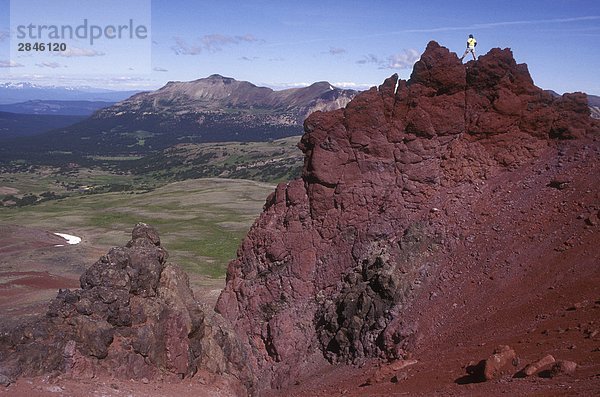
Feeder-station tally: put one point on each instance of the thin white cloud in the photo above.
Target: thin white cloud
(73, 52)
(51, 65)
(284, 86)
(181, 47)
(10, 64)
(211, 43)
(536, 21)
(369, 58)
(121, 82)
(353, 85)
(402, 60)
(215, 42)
(489, 25)
(127, 78)
(336, 51)
(116, 82)
(248, 38)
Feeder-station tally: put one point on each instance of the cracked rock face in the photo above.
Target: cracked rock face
(335, 258)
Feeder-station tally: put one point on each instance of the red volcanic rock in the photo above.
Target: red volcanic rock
(563, 367)
(502, 360)
(390, 372)
(134, 317)
(536, 366)
(336, 257)
(350, 261)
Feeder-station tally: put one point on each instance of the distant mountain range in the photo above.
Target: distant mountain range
(213, 109)
(40, 116)
(594, 103)
(22, 92)
(52, 107)
(219, 108)
(14, 125)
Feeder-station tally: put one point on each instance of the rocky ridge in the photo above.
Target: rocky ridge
(338, 256)
(344, 262)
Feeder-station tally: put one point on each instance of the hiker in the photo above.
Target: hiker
(471, 43)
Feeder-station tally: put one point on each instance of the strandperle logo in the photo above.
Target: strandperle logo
(81, 38)
(84, 31)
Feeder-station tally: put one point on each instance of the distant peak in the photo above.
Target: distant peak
(322, 86)
(432, 45)
(217, 76)
(325, 84)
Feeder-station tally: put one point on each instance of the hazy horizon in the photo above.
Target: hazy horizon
(283, 45)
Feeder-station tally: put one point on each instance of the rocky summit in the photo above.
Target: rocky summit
(460, 206)
(334, 263)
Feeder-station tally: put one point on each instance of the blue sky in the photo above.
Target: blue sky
(281, 44)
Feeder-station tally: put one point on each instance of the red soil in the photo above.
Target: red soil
(28, 276)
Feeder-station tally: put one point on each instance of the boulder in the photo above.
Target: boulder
(502, 361)
(537, 366)
(563, 367)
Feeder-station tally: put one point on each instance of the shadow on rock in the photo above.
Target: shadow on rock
(474, 374)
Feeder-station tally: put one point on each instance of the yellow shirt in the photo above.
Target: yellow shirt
(471, 42)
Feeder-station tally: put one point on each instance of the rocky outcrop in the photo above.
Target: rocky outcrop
(336, 256)
(332, 267)
(134, 317)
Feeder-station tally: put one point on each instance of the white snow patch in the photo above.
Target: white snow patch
(70, 239)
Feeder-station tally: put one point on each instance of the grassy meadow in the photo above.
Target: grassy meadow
(201, 221)
(202, 198)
